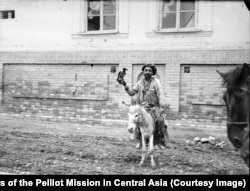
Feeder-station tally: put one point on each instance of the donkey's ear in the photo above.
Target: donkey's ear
(223, 75)
(245, 71)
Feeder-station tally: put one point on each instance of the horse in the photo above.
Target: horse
(140, 118)
(236, 98)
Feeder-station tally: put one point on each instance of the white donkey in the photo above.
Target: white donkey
(140, 118)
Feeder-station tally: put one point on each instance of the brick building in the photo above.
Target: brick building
(59, 59)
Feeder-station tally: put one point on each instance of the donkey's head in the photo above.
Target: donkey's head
(134, 117)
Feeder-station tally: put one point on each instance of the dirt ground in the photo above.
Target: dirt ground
(36, 147)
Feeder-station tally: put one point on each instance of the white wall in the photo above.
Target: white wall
(231, 23)
(53, 25)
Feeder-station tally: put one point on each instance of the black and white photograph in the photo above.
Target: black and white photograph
(125, 87)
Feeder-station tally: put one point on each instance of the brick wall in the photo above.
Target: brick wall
(41, 84)
(56, 90)
(1, 86)
(201, 91)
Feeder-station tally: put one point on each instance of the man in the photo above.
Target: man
(150, 92)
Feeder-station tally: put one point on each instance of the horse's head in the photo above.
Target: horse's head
(236, 98)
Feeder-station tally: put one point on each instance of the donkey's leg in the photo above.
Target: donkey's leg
(143, 150)
(151, 150)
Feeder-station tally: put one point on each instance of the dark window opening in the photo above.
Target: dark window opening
(7, 14)
(101, 15)
(186, 69)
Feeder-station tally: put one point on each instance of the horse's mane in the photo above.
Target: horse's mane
(232, 78)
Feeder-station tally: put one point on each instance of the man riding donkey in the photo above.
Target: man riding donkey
(150, 94)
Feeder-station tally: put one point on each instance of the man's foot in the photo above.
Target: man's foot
(138, 146)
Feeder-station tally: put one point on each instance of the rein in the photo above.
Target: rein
(237, 123)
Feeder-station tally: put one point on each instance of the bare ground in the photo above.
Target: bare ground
(36, 147)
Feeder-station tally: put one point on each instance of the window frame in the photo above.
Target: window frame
(177, 28)
(101, 31)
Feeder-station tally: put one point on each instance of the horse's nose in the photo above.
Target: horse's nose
(236, 142)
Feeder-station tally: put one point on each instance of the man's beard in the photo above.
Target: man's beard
(147, 76)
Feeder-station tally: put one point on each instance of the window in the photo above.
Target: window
(178, 15)
(10, 14)
(101, 16)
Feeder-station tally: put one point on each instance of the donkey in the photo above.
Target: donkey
(140, 118)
